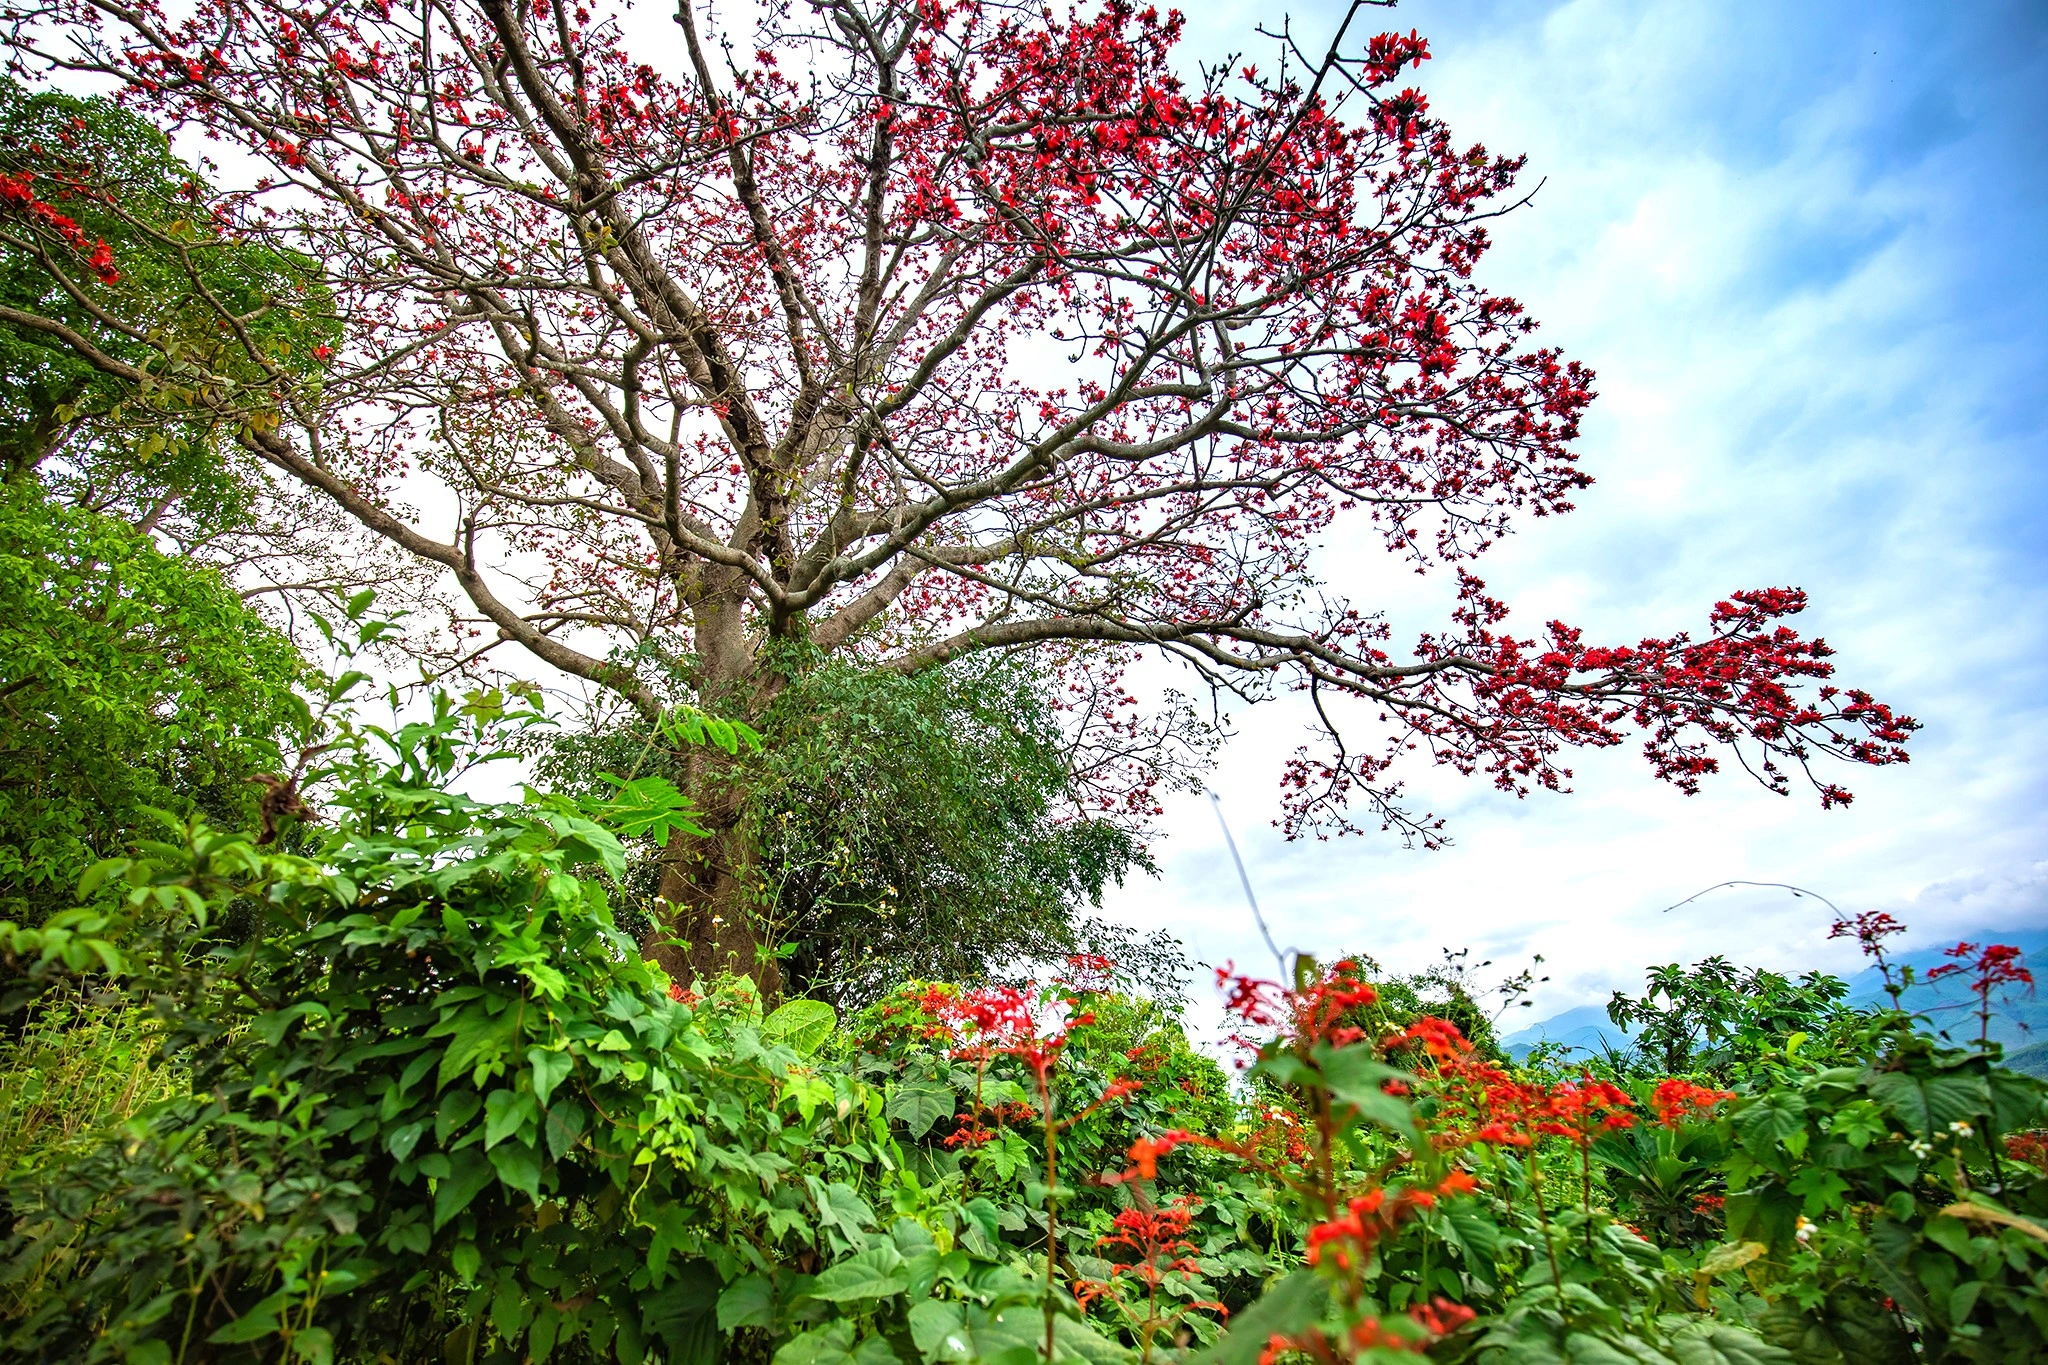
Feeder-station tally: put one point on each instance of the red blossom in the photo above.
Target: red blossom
(849, 431)
(1676, 1101)
(1997, 965)
(1870, 929)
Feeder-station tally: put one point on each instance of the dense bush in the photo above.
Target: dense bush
(128, 679)
(431, 1104)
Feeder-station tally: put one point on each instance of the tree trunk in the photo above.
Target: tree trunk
(708, 896)
(708, 900)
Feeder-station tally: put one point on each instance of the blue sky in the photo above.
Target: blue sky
(1802, 246)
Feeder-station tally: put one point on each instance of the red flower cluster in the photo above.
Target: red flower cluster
(1156, 1238)
(1582, 1110)
(1440, 1038)
(1350, 1237)
(1870, 929)
(1997, 965)
(1675, 1101)
(1308, 1016)
(18, 192)
(1427, 1322)
(1482, 1103)
(2029, 1147)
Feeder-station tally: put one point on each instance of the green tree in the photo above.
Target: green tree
(129, 679)
(906, 825)
(1719, 1020)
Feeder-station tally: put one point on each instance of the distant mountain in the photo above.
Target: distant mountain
(2019, 1019)
(2032, 1059)
(1586, 1029)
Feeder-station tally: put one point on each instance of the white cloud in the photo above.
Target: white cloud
(1784, 259)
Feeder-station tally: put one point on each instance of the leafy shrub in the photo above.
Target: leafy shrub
(438, 1107)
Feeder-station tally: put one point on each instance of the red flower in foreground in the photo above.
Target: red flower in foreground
(1307, 1017)
(1582, 1110)
(1145, 1152)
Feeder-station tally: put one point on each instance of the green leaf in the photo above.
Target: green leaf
(1927, 1104)
(564, 1125)
(747, 1303)
(1769, 1120)
(918, 1105)
(260, 1321)
(940, 1330)
(1355, 1076)
(841, 1203)
(518, 1165)
(873, 1274)
(470, 1171)
(550, 1069)
(1076, 1340)
(831, 1344)
(1286, 1308)
(402, 1140)
(458, 1107)
(314, 1345)
(504, 1113)
(1716, 1343)
(803, 1024)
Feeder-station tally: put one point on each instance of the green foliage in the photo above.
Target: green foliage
(901, 826)
(922, 826)
(437, 1106)
(441, 1095)
(1885, 1183)
(128, 681)
(1717, 1020)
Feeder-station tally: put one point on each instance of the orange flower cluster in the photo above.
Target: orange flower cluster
(1676, 1102)
(1426, 1324)
(1349, 1239)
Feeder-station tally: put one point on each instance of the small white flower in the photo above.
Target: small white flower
(1803, 1230)
(1961, 1129)
(1920, 1149)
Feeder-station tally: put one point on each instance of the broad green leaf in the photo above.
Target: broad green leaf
(260, 1321)
(918, 1105)
(841, 1203)
(550, 1069)
(1717, 1343)
(1769, 1120)
(1927, 1104)
(504, 1112)
(747, 1303)
(402, 1140)
(564, 1125)
(518, 1166)
(803, 1024)
(1286, 1308)
(831, 1344)
(876, 1273)
(940, 1329)
(470, 1170)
